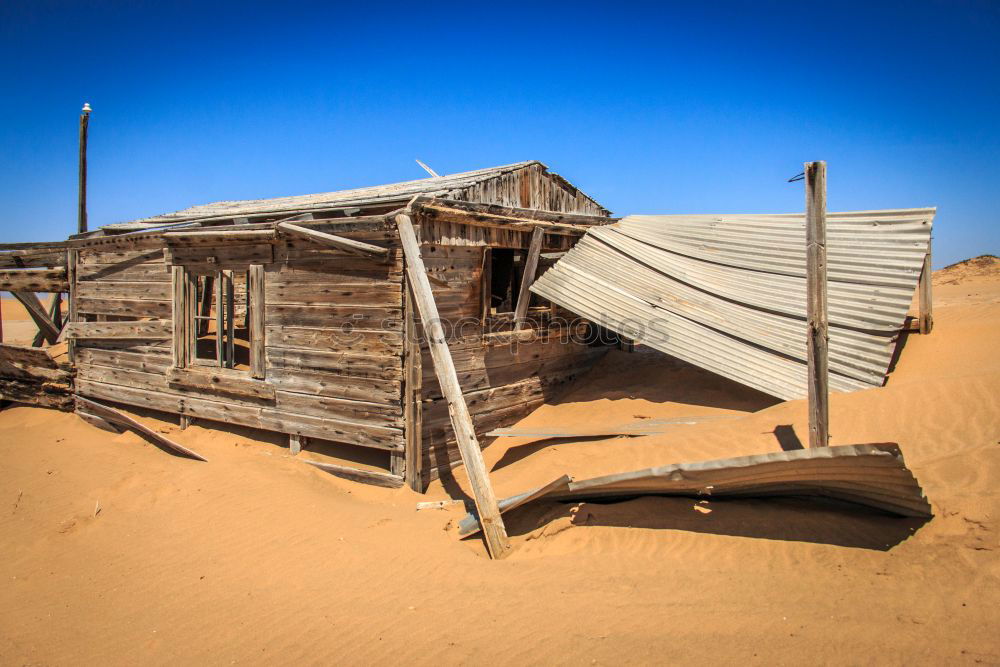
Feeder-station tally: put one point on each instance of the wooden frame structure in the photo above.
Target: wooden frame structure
(325, 340)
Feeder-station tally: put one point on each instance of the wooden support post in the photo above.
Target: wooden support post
(295, 443)
(220, 319)
(530, 269)
(1, 321)
(925, 302)
(185, 421)
(255, 313)
(817, 325)
(412, 387)
(230, 291)
(72, 258)
(37, 312)
(81, 215)
(179, 291)
(444, 367)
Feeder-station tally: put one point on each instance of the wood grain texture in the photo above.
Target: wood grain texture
(817, 319)
(486, 503)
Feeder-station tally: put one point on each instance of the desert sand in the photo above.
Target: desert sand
(115, 552)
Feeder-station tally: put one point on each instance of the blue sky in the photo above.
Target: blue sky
(657, 108)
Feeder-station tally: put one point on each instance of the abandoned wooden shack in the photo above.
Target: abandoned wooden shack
(295, 315)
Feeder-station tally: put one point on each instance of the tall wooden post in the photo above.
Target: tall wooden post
(444, 367)
(817, 325)
(81, 215)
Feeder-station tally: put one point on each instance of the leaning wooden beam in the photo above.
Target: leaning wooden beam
(530, 269)
(55, 314)
(444, 367)
(817, 321)
(358, 475)
(34, 280)
(924, 295)
(118, 417)
(37, 312)
(350, 245)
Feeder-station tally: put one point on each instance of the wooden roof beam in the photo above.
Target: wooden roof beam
(343, 243)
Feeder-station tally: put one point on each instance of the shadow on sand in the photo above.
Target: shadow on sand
(797, 519)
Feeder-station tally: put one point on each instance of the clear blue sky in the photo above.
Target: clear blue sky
(665, 108)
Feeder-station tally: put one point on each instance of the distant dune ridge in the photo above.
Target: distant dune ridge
(117, 553)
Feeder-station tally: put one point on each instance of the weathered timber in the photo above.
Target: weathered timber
(224, 257)
(123, 307)
(357, 475)
(220, 236)
(255, 299)
(152, 330)
(412, 386)
(231, 412)
(530, 268)
(486, 503)
(37, 312)
(341, 242)
(817, 319)
(55, 314)
(220, 380)
(295, 442)
(34, 280)
(110, 414)
(179, 312)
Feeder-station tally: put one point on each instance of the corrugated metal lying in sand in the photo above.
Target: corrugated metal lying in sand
(728, 292)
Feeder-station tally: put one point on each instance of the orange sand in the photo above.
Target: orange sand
(258, 558)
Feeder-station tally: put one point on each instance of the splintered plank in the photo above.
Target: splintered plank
(357, 475)
(117, 417)
(350, 245)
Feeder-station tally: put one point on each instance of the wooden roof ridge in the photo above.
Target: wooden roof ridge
(386, 193)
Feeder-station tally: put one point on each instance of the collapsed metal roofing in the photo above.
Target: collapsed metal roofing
(447, 186)
(728, 292)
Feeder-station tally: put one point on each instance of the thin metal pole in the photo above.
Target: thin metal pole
(817, 325)
(82, 194)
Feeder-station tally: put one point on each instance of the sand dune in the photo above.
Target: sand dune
(256, 557)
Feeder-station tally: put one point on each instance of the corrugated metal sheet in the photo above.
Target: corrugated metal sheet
(872, 475)
(728, 292)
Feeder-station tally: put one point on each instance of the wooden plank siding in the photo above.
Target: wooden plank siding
(332, 353)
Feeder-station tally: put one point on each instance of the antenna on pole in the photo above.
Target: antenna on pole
(430, 171)
(81, 217)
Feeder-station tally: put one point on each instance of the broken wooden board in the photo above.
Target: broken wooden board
(873, 475)
(643, 427)
(358, 475)
(109, 414)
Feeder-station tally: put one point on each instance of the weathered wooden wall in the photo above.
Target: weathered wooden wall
(333, 339)
(504, 376)
(531, 187)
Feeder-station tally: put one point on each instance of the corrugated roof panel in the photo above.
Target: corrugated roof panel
(727, 292)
